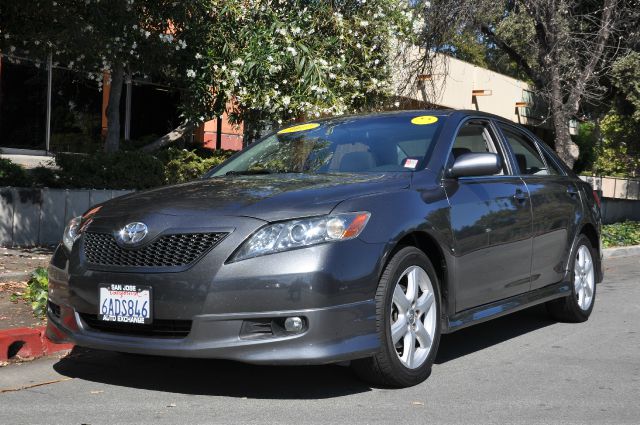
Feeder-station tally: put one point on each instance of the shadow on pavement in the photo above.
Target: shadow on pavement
(232, 379)
(493, 332)
(210, 377)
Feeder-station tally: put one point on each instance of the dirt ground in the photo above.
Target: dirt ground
(15, 314)
(15, 266)
(23, 260)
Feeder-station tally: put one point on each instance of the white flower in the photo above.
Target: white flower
(191, 73)
(295, 30)
(286, 100)
(198, 56)
(364, 23)
(292, 50)
(147, 34)
(238, 62)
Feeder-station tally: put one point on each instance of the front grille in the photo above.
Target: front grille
(156, 329)
(167, 251)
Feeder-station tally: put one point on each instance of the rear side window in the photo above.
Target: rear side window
(552, 167)
(526, 153)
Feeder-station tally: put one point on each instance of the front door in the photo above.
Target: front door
(491, 224)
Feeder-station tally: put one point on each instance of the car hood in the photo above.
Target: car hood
(265, 197)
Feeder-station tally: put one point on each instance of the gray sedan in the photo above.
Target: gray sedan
(359, 238)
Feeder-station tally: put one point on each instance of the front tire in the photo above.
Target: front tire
(408, 322)
(577, 307)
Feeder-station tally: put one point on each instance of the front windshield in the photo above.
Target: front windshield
(383, 143)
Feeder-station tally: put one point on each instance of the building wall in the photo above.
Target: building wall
(451, 83)
(231, 135)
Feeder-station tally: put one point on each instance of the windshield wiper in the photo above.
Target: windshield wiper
(258, 172)
(247, 172)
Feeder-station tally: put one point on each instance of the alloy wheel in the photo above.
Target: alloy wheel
(413, 317)
(584, 277)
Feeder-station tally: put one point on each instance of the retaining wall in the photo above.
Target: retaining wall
(37, 217)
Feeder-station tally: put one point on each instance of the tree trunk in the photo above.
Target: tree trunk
(172, 136)
(566, 149)
(112, 141)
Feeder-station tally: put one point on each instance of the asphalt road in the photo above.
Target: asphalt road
(522, 368)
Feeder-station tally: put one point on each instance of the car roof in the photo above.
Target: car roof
(406, 113)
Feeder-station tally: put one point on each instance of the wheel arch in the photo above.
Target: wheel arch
(428, 244)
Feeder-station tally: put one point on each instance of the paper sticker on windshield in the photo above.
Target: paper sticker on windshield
(411, 163)
(302, 127)
(424, 120)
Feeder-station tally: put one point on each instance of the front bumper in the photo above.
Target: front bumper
(332, 286)
(333, 334)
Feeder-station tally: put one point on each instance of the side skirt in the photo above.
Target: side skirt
(496, 309)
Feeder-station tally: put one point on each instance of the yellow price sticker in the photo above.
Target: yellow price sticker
(302, 127)
(424, 120)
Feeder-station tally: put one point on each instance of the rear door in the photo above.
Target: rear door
(491, 224)
(555, 201)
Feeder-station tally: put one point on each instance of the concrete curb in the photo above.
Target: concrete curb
(27, 343)
(623, 251)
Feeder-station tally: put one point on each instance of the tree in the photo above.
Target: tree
(562, 47)
(289, 59)
(118, 37)
(275, 60)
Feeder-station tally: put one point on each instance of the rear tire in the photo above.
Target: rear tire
(577, 307)
(407, 322)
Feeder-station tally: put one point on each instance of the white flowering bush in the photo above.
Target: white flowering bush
(286, 59)
(276, 60)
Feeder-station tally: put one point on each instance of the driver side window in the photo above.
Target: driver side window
(475, 137)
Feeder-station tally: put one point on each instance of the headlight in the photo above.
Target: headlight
(71, 232)
(76, 226)
(299, 233)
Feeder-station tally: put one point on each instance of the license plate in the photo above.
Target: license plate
(125, 304)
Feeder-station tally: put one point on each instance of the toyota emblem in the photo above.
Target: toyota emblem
(133, 233)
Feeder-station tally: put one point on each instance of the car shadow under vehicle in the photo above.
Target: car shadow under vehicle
(233, 379)
(493, 332)
(210, 377)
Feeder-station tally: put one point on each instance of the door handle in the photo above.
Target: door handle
(572, 191)
(521, 196)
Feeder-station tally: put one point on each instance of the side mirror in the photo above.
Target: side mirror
(475, 164)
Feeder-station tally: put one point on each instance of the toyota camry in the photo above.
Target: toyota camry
(360, 239)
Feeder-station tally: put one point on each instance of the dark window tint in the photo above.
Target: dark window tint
(526, 153)
(475, 137)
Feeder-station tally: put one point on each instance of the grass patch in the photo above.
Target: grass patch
(621, 234)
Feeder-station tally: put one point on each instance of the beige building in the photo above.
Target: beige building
(451, 83)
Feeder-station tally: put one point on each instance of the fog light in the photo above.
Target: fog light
(293, 324)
